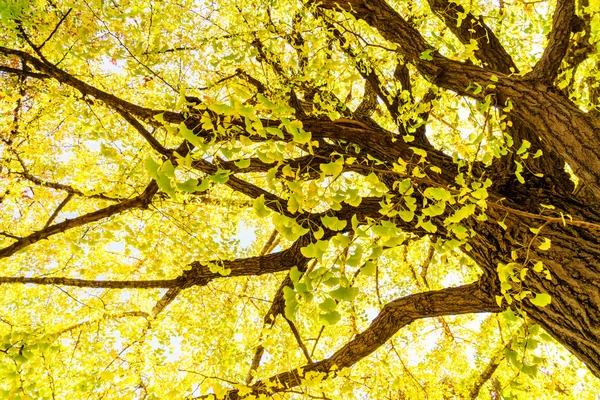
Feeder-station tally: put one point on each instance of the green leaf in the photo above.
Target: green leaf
(427, 225)
(368, 268)
(309, 251)
(541, 300)
(426, 55)
(344, 293)
(295, 275)
(164, 184)
(462, 213)
(333, 223)
(152, 167)
(406, 215)
(221, 176)
(295, 128)
(168, 169)
(241, 164)
(188, 135)
(524, 146)
(259, 206)
(438, 194)
(221, 109)
(159, 117)
(333, 168)
(268, 104)
(275, 131)
(330, 318)
(328, 305)
(190, 186)
(419, 152)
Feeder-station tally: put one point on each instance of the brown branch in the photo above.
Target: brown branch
(155, 144)
(301, 344)
(490, 51)
(277, 307)
(166, 299)
(66, 188)
(103, 317)
(200, 273)
(47, 67)
(172, 293)
(55, 29)
(493, 55)
(271, 201)
(92, 284)
(548, 65)
(140, 201)
(367, 72)
(471, 298)
(23, 72)
(488, 371)
(555, 119)
(57, 210)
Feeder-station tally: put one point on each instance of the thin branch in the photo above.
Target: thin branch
(155, 144)
(23, 72)
(495, 361)
(103, 317)
(58, 209)
(93, 284)
(55, 29)
(140, 201)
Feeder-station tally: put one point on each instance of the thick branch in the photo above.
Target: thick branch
(560, 124)
(395, 315)
(490, 51)
(547, 67)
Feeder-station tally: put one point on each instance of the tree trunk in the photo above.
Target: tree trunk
(573, 260)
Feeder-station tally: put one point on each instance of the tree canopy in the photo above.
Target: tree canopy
(299, 199)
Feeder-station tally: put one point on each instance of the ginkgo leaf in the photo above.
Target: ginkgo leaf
(541, 299)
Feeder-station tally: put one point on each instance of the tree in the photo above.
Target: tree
(249, 198)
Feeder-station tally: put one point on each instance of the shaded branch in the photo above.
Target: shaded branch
(548, 65)
(488, 371)
(106, 316)
(489, 49)
(155, 144)
(277, 307)
(86, 89)
(555, 119)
